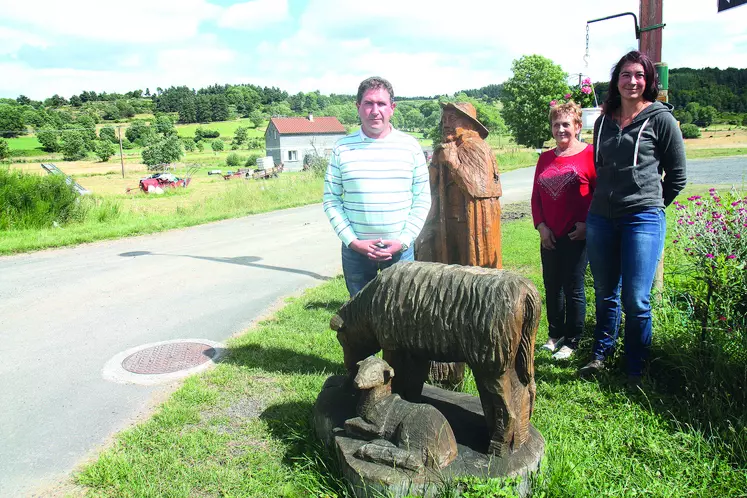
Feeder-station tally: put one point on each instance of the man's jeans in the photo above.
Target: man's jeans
(623, 254)
(359, 270)
(563, 270)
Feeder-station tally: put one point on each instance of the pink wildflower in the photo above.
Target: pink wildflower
(586, 89)
(567, 96)
(586, 81)
(731, 256)
(710, 256)
(553, 103)
(693, 198)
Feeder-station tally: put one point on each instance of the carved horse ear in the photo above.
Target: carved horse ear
(336, 322)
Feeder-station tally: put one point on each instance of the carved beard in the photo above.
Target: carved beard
(461, 135)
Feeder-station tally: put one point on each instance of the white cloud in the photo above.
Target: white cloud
(423, 47)
(135, 22)
(254, 14)
(11, 40)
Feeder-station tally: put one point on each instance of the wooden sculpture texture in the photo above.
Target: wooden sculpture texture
(403, 434)
(464, 224)
(417, 312)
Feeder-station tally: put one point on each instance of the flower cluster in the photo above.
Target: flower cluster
(711, 233)
(583, 95)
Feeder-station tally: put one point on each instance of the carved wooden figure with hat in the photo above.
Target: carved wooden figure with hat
(464, 224)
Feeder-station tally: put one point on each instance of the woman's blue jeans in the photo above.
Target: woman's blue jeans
(623, 254)
(359, 270)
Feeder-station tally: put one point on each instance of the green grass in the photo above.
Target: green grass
(243, 429)
(120, 215)
(720, 152)
(24, 146)
(226, 128)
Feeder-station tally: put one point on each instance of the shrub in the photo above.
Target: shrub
(255, 143)
(316, 164)
(4, 149)
(744, 120)
(234, 160)
(690, 131)
(165, 150)
(201, 133)
(200, 145)
(49, 139)
(104, 149)
(126, 144)
(73, 146)
(251, 161)
(217, 145)
(189, 144)
(34, 201)
(710, 232)
(108, 133)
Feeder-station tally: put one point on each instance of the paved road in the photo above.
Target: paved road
(721, 171)
(64, 313)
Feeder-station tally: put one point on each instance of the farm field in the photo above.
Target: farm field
(110, 189)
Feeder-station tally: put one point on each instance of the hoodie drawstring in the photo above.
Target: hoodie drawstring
(637, 141)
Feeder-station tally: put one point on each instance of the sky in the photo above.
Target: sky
(424, 47)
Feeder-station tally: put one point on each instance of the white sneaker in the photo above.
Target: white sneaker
(552, 344)
(563, 353)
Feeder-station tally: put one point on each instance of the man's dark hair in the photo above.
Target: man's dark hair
(651, 91)
(374, 82)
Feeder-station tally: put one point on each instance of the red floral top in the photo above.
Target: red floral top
(562, 191)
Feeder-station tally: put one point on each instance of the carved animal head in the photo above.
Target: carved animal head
(373, 372)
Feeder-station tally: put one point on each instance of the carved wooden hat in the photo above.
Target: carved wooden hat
(467, 110)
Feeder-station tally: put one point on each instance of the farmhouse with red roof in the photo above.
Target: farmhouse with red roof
(290, 140)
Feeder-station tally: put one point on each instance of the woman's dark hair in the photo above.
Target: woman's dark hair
(651, 91)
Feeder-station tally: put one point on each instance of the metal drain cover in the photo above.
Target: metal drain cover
(168, 358)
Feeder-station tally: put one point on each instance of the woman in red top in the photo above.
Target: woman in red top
(564, 181)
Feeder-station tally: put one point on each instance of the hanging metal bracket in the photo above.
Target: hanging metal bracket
(638, 30)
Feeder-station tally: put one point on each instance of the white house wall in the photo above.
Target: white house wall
(301, 144)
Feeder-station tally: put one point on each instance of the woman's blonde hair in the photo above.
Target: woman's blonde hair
(569, 108)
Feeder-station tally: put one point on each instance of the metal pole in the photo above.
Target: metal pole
(121, 157)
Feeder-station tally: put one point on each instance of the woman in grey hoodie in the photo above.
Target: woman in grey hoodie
(636, 141)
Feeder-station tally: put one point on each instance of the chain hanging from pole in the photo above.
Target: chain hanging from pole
(586, 56)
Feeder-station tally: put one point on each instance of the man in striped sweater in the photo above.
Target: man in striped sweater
(376, 190)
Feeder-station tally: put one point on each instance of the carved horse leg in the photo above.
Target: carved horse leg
(495, 397)
(410, 374)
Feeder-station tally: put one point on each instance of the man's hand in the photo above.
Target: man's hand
(547, 239)
(578, 233)
(377, 249)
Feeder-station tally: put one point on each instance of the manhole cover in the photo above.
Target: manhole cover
(168, 358)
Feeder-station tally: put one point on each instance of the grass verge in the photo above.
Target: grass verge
(721, 152)
(117, 216)
(243, 429)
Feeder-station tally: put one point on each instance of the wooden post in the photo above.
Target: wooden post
(121, 157)
(650, 41)
(650, 44)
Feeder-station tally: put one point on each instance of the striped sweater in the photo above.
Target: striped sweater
(377, 188)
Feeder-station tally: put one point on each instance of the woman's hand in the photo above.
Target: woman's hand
(547, 239)
(578, 233)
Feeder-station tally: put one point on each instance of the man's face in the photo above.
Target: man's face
(451, 120)
(375, 110)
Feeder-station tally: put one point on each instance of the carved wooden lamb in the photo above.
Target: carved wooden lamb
(404, 434)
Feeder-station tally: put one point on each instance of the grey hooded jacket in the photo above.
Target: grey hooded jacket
(630, 162)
